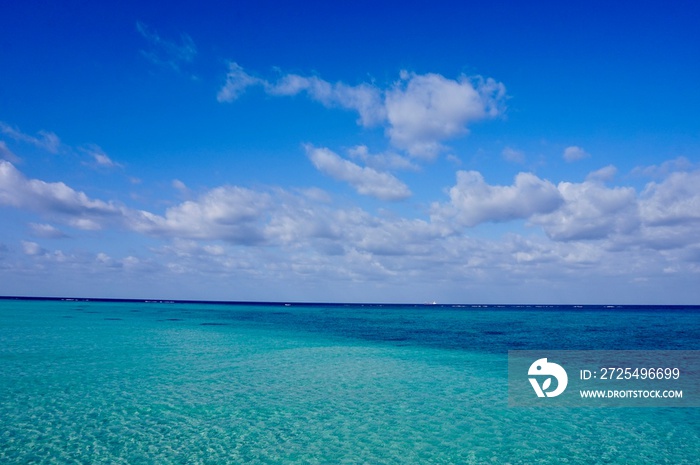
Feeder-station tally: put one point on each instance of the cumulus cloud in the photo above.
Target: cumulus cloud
(665, 214)
(398, 237)
(575, 153)
(46, 140)
(424, 110)
(184, 255)
(591, 210)
(227, 213)
(304, 221)
(473, 201)
(165, 52)
(418, 112)
(56, 199)
(364, 180)
(675, 200)
(231, 233)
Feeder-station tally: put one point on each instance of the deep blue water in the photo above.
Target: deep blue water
(137, 382)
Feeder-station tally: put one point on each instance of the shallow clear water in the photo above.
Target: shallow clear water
(125, 382)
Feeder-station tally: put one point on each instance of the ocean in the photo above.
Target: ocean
(127, 382)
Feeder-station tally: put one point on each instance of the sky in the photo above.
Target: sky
(456, 152)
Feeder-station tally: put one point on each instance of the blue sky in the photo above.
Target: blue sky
(351, 151)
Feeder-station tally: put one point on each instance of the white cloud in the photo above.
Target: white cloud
(473, 201)
(100, 158)
(104, 260)
(608, 235)
(418, 112)
(310, 221)
(46, 231)
(424, 110)
(316, 195)
(575, 153)
(33, 249)
(51, 143)
(180, 186)
(664, 216)
(674, 201)
(6, 154)
(103, 160)
(665, 168)
(363, 98)
(227, 213)
(454, 159)
(166, 52)
(237, 81)
(605, 174)
(366, 181)
(55, 199)
(398, 237)
(381, 161)
(47, 140)
(511, 154)
(591, 211)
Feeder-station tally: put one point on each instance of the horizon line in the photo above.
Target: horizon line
(319, 303)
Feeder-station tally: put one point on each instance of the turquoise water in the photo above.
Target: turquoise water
(131, 383)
